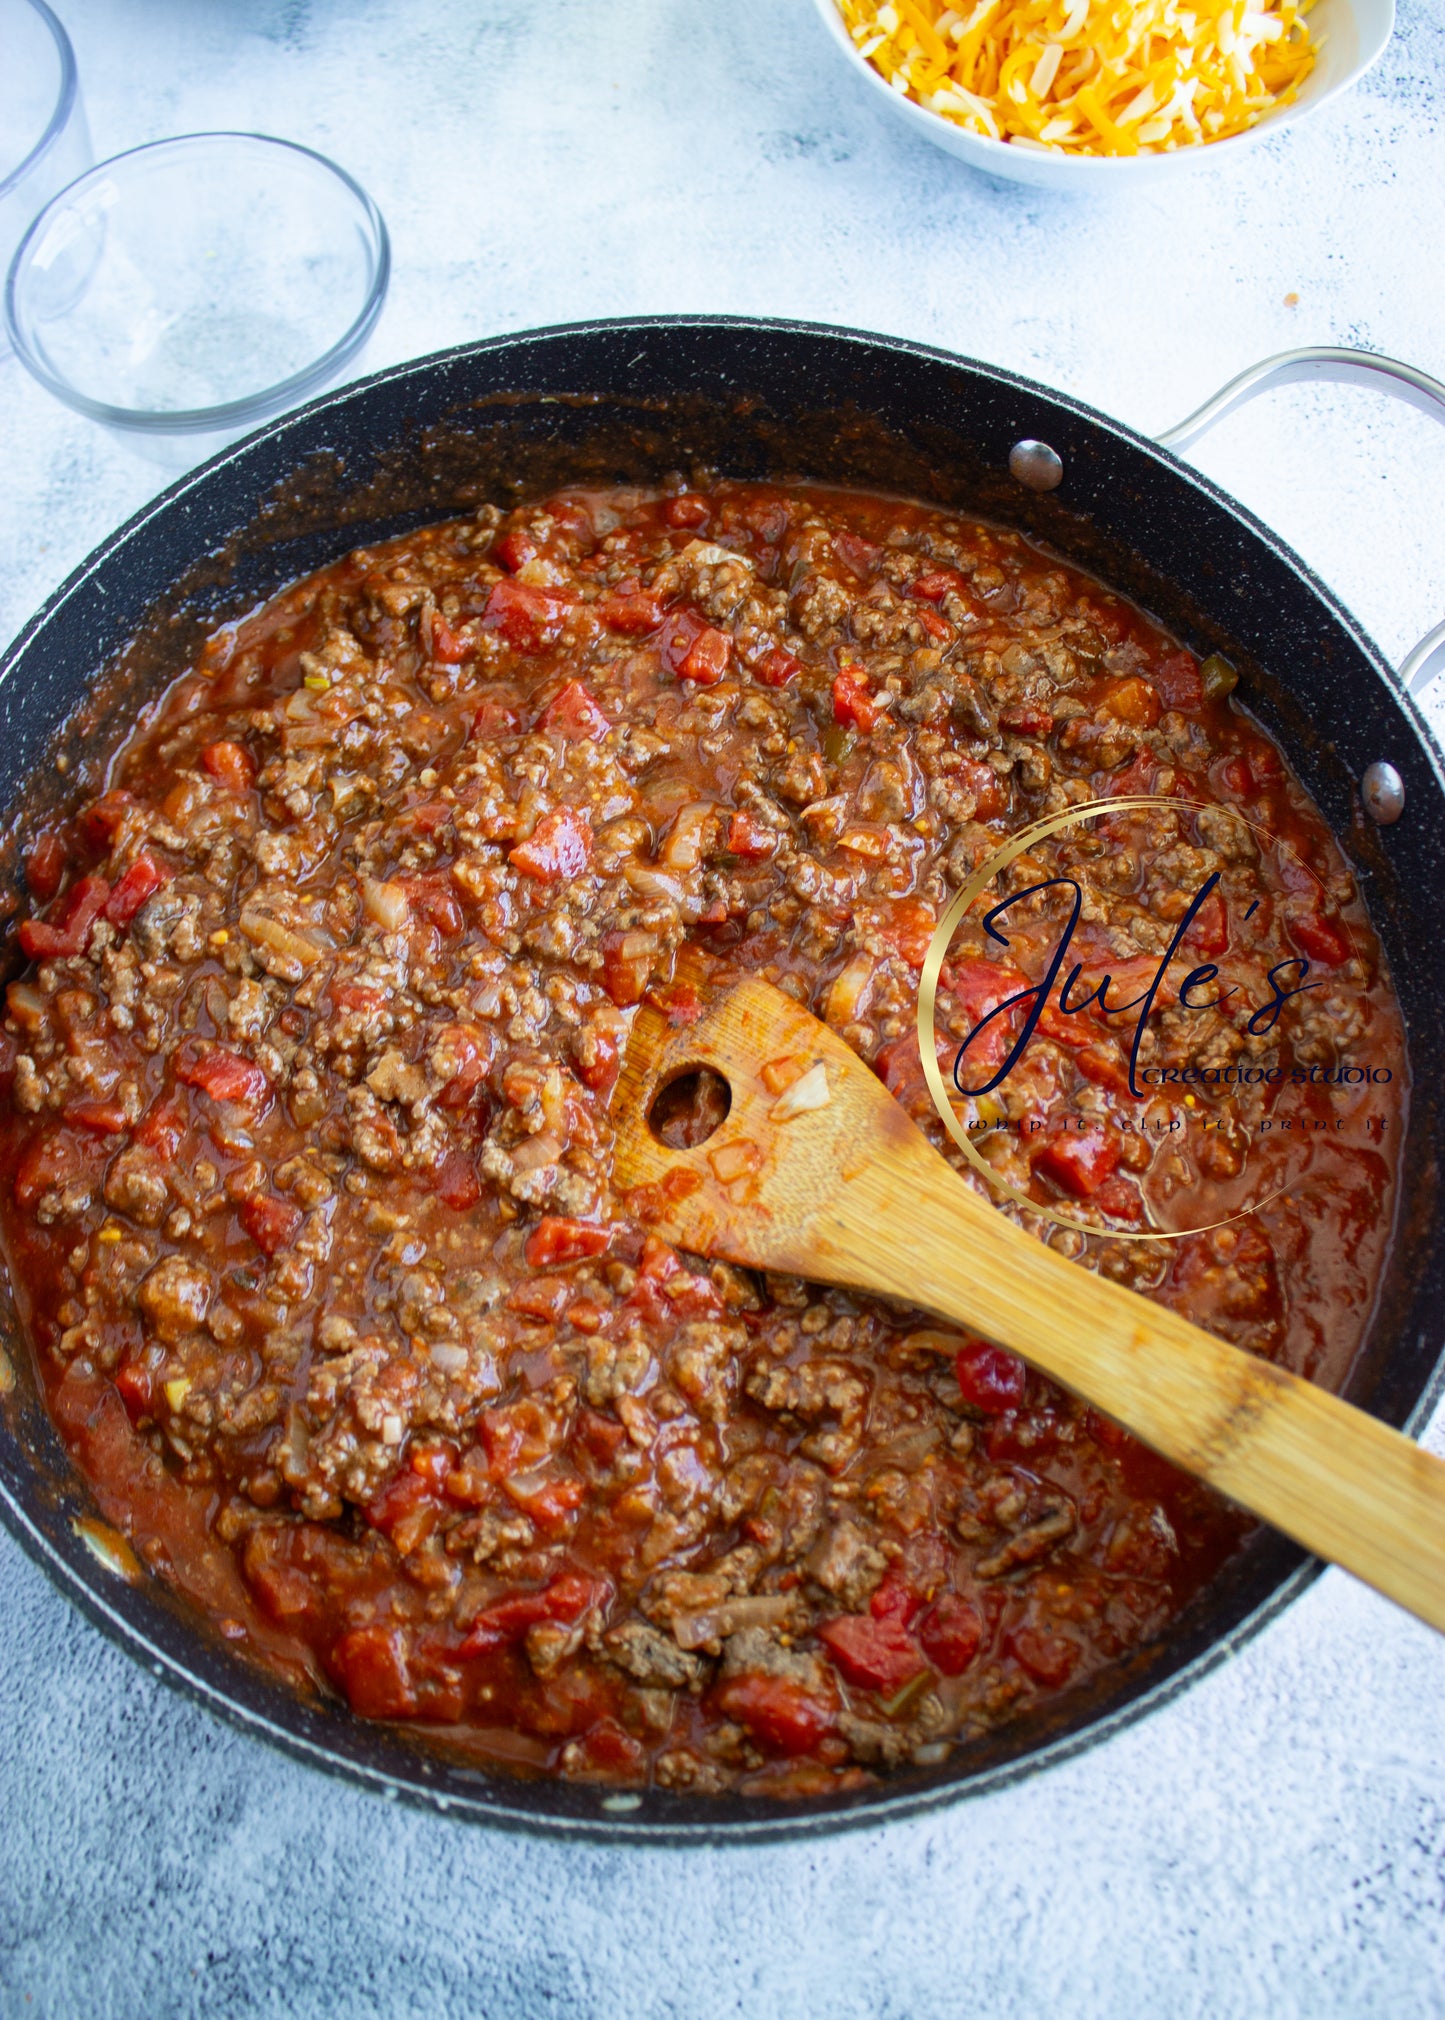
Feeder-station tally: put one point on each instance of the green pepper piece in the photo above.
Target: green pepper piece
(1217, 677)
(903, 1700)
(837, 743)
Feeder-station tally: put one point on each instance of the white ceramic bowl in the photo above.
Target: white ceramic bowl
(1353, 32)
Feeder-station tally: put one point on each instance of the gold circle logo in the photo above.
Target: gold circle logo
(1032, 999)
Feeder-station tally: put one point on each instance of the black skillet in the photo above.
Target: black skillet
(634, 401)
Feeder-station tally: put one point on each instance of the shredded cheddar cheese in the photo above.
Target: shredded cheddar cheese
(1112, 77)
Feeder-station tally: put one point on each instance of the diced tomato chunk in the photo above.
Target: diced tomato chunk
(42, 939)
(520, 1435)
(861, 555)
(875, 1654)
(45, 866)
(555, 1240)
(749, 839)
(273, 1224)
(573, 714)
(559, 846)
(632, 614)
(1120, 1198)
(600, 1438)
(456, 1184)
(163, 1127)
(542, 1298)
(494, 717)
(1022, 1438)
(100, 822)
(1209, 929)
(470, 1050)
(609, 1748)
(853, 703)
(1140, 775)
(980, 988)
(777, 668)
(1078, 1161)
(347, 997)
(427, 817)
(407, 1509)
(950, 1633)
(529, 619)
(435, 1462)
(53, 1157)
(448, 646)
(706, 660)
(225, 1075)
(1177, 680)
(567, 1598)
(230, 765)
(659, 1260)
(1050, 1659)
(140, 881)
(435, 903)
(286, 1590)
(990, 1378)
(679, 1003)
(907, 926)
(547, 1500)
(371, 1665)
(687, 509)
(1265, 766)
(1073, 1028)
(515, 548)
(692, 649)
(597, 1058)
(1320, 937)
(936, 583)
(628, 960)
(103, 1118)
(1254, 769)
(989, 791)
(692, 1297)
(899, 1066)
(782, 1716)
(572, 1594)
(1025, 718)
(895, 1598)
(135, 1383)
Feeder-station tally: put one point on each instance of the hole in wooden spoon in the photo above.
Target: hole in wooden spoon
(689, 1108)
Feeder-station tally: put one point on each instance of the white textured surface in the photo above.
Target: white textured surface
(1272, 1843)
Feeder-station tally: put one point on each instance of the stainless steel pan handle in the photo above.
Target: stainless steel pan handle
(1355, 368)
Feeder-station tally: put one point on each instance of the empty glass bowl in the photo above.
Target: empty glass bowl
(44, 143)
(187, 291)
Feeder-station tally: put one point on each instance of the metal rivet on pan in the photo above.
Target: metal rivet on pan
(1383, 791)
(1037, 465)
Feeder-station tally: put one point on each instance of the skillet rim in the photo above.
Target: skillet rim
(200, 1670)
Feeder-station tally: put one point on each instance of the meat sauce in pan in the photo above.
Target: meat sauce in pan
(306, 1129)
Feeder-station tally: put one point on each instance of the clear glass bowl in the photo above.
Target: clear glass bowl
(44, 141)
(187, 291)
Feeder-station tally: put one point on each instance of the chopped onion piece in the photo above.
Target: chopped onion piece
(808, 1093)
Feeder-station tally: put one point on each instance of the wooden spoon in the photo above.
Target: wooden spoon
(818, 1172)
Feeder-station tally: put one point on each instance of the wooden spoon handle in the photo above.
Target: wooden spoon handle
(830, 1179)
(1338, 1481)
